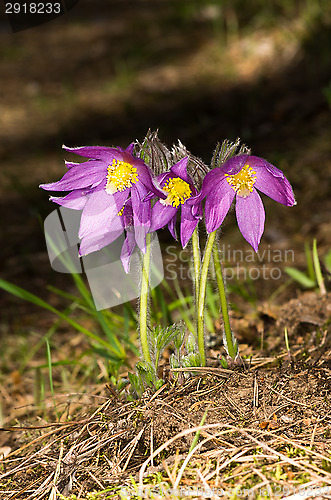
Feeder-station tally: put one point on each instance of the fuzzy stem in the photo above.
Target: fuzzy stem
(196, 267)
(144, 301)
(231, 344)
(202, 294)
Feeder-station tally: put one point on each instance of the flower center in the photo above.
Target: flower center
(242, 182)
(121, 175)
(178, 190)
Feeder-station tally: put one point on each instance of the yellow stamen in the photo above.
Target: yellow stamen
(121, 211)
(121, 175)
(179, 191)
(242, 182)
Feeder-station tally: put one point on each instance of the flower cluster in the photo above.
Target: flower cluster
(119, 192)
(143, 188)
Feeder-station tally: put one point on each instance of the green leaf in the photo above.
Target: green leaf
(327, 261)
(30, 297)
(300, 277)
(309, 259)
(318, 270)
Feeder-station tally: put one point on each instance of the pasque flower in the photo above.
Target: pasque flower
(240, 177)
(177, 188)
(110, 187)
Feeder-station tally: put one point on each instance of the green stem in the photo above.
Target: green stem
(202, 294)
(144, 301)
(196, 267)
(231, 344)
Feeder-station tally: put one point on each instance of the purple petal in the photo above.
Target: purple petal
(96, 152)
(187, 212)
(271, 181)
(180, 170)
(141, 214)
(129, 149)
(79, 176)
(187, 227)
(141, 209)
(233, 165)
(96, 241)
(70, 164)
(149, 197)
(217, 205)
(197, 211)
(210, 183)
(172, 226)
(256, 161)
(127, 250)
(161, 215)
(250, 216)
(100, 210)
(161, 179)
(145, 178)
(127, 215)
(75, 200)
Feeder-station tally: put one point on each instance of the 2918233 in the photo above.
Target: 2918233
(33, 8)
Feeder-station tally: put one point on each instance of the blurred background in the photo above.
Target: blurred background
(198, 71)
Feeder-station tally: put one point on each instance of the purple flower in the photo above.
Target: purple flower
(122, 221)
(177, 187)
(240, 177)
(101, 187)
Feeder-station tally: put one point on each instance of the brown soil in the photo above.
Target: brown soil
(276, 408)
(265, 411)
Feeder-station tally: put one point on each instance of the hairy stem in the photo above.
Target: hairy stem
(231, 344)
(202, 294)
(196, 267)
(144, 301)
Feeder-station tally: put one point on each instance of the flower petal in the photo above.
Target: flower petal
(100, 210)
(79, 176)
(161, 215)
(172, 227)
(233, 165)
(96, 152)
(70, 164)
(130, 148)
(180, 170)
(210, 183)
(96, 241)
(217, 205)
(250, 216)
(187, 227)
(145, 177)
(75, 200)
(271, 181)
(141, 214)
(127, 250)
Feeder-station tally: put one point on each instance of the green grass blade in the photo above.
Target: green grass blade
(300, 277)
(25, 295)
(309, 260)
(318, 272)
(50, 374)
(197, 434)
(327, 261)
